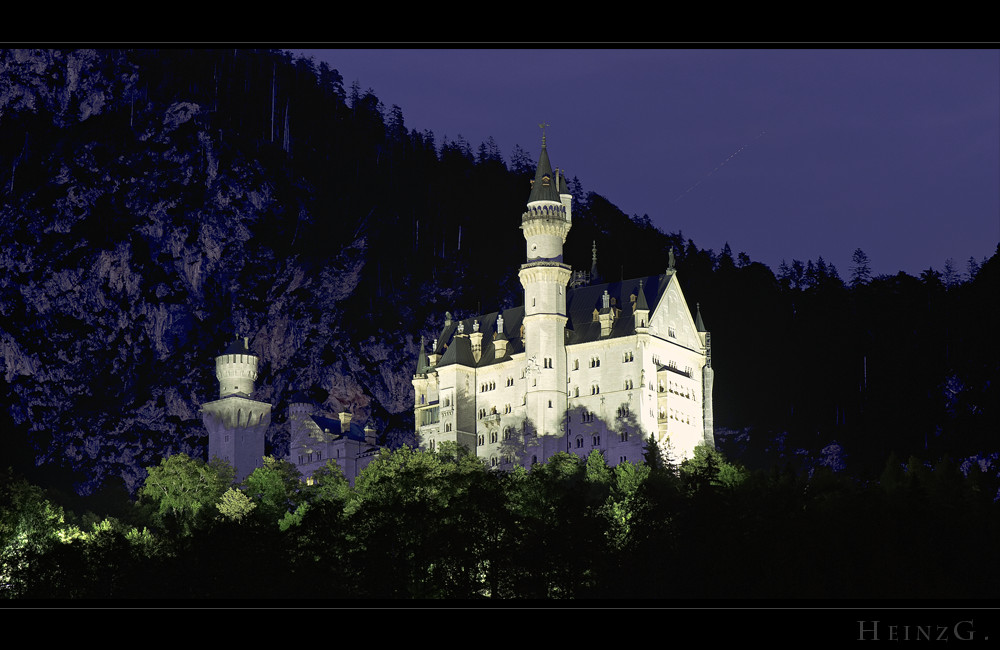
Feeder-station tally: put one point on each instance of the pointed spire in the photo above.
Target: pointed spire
(640, 302)
(593, 265)
(421, 359)
(698, 322)
(543, 188)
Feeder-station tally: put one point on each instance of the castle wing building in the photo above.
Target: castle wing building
(582, 365)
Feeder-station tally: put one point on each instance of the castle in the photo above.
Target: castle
(236, 424)
(580, 366)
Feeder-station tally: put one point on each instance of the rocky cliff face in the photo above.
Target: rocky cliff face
(138, 238)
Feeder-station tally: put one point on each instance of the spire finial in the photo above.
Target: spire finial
(542, 127)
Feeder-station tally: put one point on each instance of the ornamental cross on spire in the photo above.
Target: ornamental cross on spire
(542, 127)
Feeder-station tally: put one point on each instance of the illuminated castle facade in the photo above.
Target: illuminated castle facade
(580, 366)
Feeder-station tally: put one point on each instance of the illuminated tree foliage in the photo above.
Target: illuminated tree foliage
(184, 492)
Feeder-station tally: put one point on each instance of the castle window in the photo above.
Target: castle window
(579, 441)
(507, 408)
(534, 460)
(576, 364)
(432, 444)
(628, 357)
(623, 437)
(493, 436)
(597, 440)
(493, 461)
(482, 440)
(576, 391)
(621, 459)
(671, 333)
(301, 457)
(628, 384)
(319, 455)
(447, 426)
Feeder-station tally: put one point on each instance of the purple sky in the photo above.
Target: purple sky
(893, 151)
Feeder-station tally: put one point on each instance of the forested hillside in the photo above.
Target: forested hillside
(156, 203)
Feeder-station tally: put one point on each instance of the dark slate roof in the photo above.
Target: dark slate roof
(458, 349)
(422, 359)
(237, 347)
(581, 327)
(540, 191)
(355, 432)
(582, 301)
(698, 322)
(640, 301)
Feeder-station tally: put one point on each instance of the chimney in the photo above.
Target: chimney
(369, 434)
(345, 422)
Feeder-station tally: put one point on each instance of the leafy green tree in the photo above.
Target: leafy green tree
(428, 524)
(31, 527)
(184, 491)
(235, 505)
(276, 489)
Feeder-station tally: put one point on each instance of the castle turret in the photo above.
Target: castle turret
(545, 224)
(236, 423)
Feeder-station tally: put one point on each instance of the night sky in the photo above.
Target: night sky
(781, 153)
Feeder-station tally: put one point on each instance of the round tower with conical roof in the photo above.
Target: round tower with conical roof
(545, 225)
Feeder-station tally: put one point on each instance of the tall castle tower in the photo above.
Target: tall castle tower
(545, 277)
(236, 423)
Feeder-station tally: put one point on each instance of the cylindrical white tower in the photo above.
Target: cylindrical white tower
(545, 224)
(236, 369)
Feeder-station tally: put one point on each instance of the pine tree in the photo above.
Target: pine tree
(861, 271)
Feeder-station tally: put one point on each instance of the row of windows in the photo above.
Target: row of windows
(491, 385)
(596, 440)
(683, 418)
(508, 433)
(308, 458)
(507, 408)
